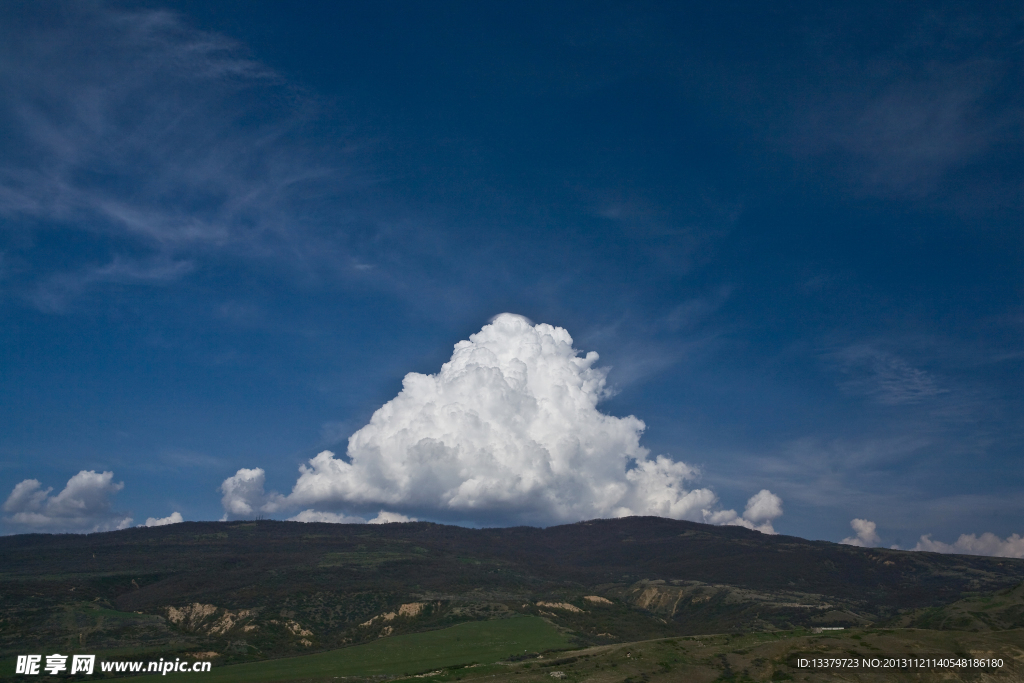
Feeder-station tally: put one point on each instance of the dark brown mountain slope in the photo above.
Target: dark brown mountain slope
(266, 588)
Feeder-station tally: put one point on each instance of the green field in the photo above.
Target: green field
(477, 642)
(736, 658)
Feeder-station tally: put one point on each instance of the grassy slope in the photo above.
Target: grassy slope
(990, 612)
(760, 657)
(481, 642)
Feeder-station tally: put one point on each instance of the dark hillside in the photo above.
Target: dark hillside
(263, 588)
(656, 548)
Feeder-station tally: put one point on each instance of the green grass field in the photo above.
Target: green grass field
(479, 642)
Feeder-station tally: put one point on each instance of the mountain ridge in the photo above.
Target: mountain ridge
(268, 588)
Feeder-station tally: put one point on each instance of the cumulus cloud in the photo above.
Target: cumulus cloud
(244, 495)
(83, 506)
(969, 544)
(329, 517)
(866, 536)
(761, 509)
(507, 431)
(173, 518)
(385, 517)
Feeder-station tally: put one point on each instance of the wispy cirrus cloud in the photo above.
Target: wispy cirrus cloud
(905, 139)
(838, 473)
(884, 376)
(937, 94)
(53, 293)
(649, 347)
(154, 143)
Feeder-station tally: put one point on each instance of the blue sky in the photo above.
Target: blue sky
(791, 232)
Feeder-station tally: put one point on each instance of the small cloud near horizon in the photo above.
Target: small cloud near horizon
(83, 506)
(988, 544)
(761, 509)
(866, 536)
(173, 518)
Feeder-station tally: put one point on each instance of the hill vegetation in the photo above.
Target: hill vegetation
(237, 592)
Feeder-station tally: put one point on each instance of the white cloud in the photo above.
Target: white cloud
(866, 536)
(764, 506)
(761, 509)
(83, 506)
(969, 544)
(173, 518)
(329, 517)
(385, 517)
(244, 495)
(508, 429)
(507, 432)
